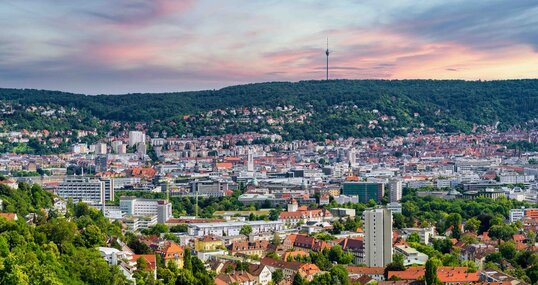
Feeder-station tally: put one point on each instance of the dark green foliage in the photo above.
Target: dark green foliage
(446, 105)
(58, 250)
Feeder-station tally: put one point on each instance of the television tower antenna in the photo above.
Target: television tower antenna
(327, 54)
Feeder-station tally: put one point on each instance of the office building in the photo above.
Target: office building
(209, 188)
(364, 190)
(80, 188)
(146, 207)
(378, 237)
(395, 187)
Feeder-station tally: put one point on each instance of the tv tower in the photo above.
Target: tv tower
(327, 53)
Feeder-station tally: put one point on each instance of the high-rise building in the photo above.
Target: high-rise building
(378, 237)
(250, 161)
(364, 190)
(136, 137)
(116, 145)
(395, 186)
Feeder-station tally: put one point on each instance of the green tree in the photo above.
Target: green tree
(430, 275)
(472, 224)
(508, 249)
(277, 276)
(414, 237)
(246, 230)
(298, 280)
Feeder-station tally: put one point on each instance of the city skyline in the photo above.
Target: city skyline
(161, 46)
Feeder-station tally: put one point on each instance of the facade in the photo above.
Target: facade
(82, 188)
(233, 228)
(136, 137)
(209, 188)
(395, 186)
(378, 237)
(147, 207)
(364, 190)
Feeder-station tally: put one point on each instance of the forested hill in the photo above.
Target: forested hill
(447, 105)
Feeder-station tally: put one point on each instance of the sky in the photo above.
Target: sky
(129, 46)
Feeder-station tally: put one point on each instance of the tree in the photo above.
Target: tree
(276, 239)
(472, 225)
(246, 230)
(508, 249)
(501, 232)
(277, 276)
(187, 260)
(298, 280)
(339, 275)
(430, 275)
(414, 237)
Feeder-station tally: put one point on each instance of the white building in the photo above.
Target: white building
(82, 188)
(394, 207)
(146, 207)
(233, 228)
(378, 237)
(395, 186)
(136, 137)
(411, 255)
(426, 234)
(516, 215)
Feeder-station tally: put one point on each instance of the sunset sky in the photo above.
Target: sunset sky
(121, 46)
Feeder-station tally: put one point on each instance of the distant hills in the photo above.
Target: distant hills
(335, 107)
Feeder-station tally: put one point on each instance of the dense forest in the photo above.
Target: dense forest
(336, 106)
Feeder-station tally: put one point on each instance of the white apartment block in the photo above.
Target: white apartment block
(146, 207)
(395, 186)
(378, 237)
(233, 228)
(136, 137)
(80, 188)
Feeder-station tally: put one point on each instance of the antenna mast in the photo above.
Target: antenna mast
(327, 54)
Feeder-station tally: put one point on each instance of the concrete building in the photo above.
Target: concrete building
(426, 234)
(82, 188)
(394, 207)
(147, 207)
(395, 186)
(411, 255)
(209, 188)
(136, 137)
(233, 228)
(378, 237)
(100, 148)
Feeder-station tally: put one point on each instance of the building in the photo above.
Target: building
(80, 188)
(233, 228)
(490, 193)
(426, 234)
(147, 207)
(136, 137)
(378, 237)
(208, 243)
(100, 148)
(342, 212)
(210, 188)
(101, 163)
(411, 255)
(172, 251)
(394, 207)
(395, 186)
(516, 215)
(364, 190)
